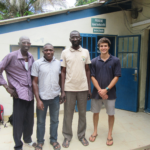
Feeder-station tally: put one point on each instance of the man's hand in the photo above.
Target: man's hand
(40, 105)
(63, 97)
(105, 97)
(12, 92)
(89, 95)
(102, 92)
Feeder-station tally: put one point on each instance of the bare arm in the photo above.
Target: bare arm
(3, 65)
(36, 93)
(63, 77)
(60, 80)
(110, 86)
(87, 69)
(96, 85)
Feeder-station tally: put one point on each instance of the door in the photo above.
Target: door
(147, 96)
(89, 41)
(128, 49)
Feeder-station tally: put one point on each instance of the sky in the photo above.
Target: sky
(71, 2)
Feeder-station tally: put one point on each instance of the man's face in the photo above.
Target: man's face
(25, 44)
(48, 52)
(75, 39)
(104, 48)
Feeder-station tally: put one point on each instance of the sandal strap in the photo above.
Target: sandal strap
(39, 147)
(57, 144)
(110, 139)
(94, 136)
(84, 140)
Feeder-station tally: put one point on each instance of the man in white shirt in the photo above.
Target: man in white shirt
(46, 79)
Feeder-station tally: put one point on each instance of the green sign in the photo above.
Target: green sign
(97, 22)
(98, 30)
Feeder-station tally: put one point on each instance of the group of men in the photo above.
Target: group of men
(47, 77)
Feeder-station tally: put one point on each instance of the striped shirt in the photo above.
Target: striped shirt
(17, 75)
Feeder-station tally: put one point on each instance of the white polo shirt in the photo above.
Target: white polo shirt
(75, 61)
(48, 76)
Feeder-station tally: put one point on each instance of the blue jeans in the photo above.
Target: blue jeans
(53, 105)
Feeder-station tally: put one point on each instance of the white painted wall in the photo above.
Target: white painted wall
(58, 35)
(142, 16)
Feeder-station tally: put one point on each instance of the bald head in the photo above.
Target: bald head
(24, 43)
(74, 31)
(23, 38)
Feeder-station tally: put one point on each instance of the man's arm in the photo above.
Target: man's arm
(63, 77)
(36, 93)
(87, 69)
(110, 86)
(3, 64)
(96, 85)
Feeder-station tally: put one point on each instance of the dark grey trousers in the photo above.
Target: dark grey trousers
(23, 118)
(69, 107)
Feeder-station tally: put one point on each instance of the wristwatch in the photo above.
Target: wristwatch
(107, 89)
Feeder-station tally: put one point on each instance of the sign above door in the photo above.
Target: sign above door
(98, 22)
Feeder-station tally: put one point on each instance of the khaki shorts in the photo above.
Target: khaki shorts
(96, 105)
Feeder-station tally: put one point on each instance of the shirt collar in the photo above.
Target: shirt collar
(43, 59)
(99, 58)
(80, 49)
(20, 55)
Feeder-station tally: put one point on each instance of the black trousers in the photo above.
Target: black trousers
(23, 120)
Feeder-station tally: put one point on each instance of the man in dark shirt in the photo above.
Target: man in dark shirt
(105, 72)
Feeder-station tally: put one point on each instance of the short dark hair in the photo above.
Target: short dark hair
(74, 31)
(47, 44)
(104, 40)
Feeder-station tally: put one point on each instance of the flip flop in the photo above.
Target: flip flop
(109, 141)
(93, 137)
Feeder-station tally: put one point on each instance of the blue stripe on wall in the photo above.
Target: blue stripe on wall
(59, 18)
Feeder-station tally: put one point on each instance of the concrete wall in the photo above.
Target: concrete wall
(58, 35)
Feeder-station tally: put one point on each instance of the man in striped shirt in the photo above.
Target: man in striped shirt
(17, 66)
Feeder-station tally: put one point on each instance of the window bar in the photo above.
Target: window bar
(82, 42)
(38, 52)
(91, 45)
(127, 53)
(132, 51)
(122, 61)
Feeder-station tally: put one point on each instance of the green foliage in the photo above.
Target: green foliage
(18, 8)
(84, 2)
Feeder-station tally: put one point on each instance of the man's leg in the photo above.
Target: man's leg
(28, 122)
(54, 114)
(19, 111)
(81, 103)
(110, 108)
(41, 115)
(69, 107)
(95, 108)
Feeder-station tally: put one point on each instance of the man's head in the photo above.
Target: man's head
(24, 43)
(75, 38)
(48, 51)
(104, 45)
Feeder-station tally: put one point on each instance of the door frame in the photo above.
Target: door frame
(138, 61)
(147, 78)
